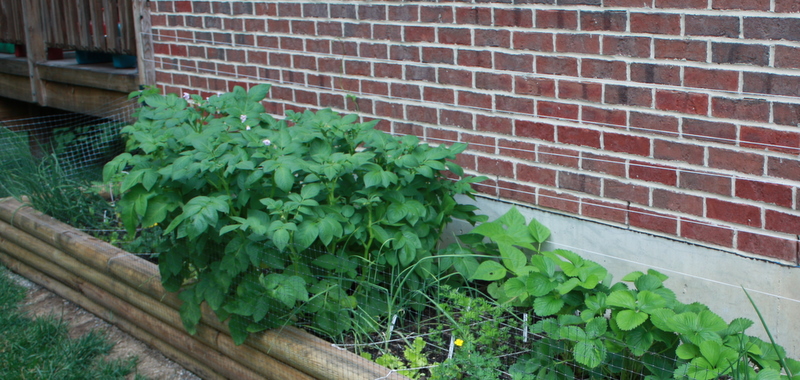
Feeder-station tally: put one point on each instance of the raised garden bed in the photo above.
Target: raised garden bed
(126, 291)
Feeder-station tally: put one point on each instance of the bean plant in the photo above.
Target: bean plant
(273, 221)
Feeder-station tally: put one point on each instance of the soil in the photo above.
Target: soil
(152, 364)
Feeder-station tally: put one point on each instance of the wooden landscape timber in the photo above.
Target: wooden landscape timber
(126, 291)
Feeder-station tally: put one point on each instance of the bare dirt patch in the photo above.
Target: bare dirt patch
(152, 364)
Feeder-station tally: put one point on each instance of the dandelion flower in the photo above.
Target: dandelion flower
(459, 342)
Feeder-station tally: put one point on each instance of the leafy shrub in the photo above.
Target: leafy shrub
(593, 328)
(315, 215)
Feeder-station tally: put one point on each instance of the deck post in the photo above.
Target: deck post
(144, 42)
(35, 47)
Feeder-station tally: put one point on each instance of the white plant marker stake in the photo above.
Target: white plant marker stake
(391, 327)
(525, 327)
(452, 346)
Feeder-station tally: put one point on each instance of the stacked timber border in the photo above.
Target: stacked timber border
(126, 291)
(677, 118)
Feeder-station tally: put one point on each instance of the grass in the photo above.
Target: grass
(42, 349)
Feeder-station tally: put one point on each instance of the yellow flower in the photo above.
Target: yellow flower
(459, 342)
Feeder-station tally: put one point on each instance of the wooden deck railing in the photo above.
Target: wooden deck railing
(96, 25)
(12, 26)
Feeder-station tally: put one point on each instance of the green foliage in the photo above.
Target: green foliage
(414, 357)
(346, 214)
(634, 329)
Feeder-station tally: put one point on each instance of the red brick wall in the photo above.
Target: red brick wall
(677, 117)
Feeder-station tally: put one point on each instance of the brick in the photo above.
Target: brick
(534, 41)
(733, 212)
(682, 4)
(557, 110)
(368, 50)
(627, 192)
(475, 58)
(455, 118)
(726, 80)
(536, 174)
(558, 156)
(768, 246)
(627, 46)
(437, 55)
(684, 50)
(741, 109)
(475, 100)
(706, 182)
(440, 135)
(787, 56)
(770, 139)
(580, 90)
(684, 102)
(405, 12)
(498, 167)
(516, 17)
(719, 132)
(343, 11)
(264, 9)
(774, 84)
(772, 28)
(518, 192)
(582, 183)
(786, 114)
(678, 202)
(531, 85)
(514, 104)
(289, 10)
(787, 6)
(513, 62)
(494, 124)
(657, 74)
(438, 94)
(420, 73)
(655, 23)
(578, 136)
(777, 194)
(750, 5)
(627, 95)
(604, 116)
(677, 151)
(455, 36)
(578, 43)
(225, 8)
(782, 222)
(372, 12)
(580, 2)
(438, 14)
(474, 15)
(743, 162)
(387, 70)
(362, 68)
(706, 232)
(455, 77)
(559, 201)
(492, 38)
(716, 26)
(405, 91)
(607, 211)
(491, 81)
(422, 114)
(603, 164)
(614, 21)
(355, 30)
(653, 221)
(650, 172)
(596, 68)
(617, 142)
(536, 130)
(556, 19)
(419, 34)
(557, 66)
(390, 110)
(747, 54)
(404, 53)
(387, 32)
(518, 149)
